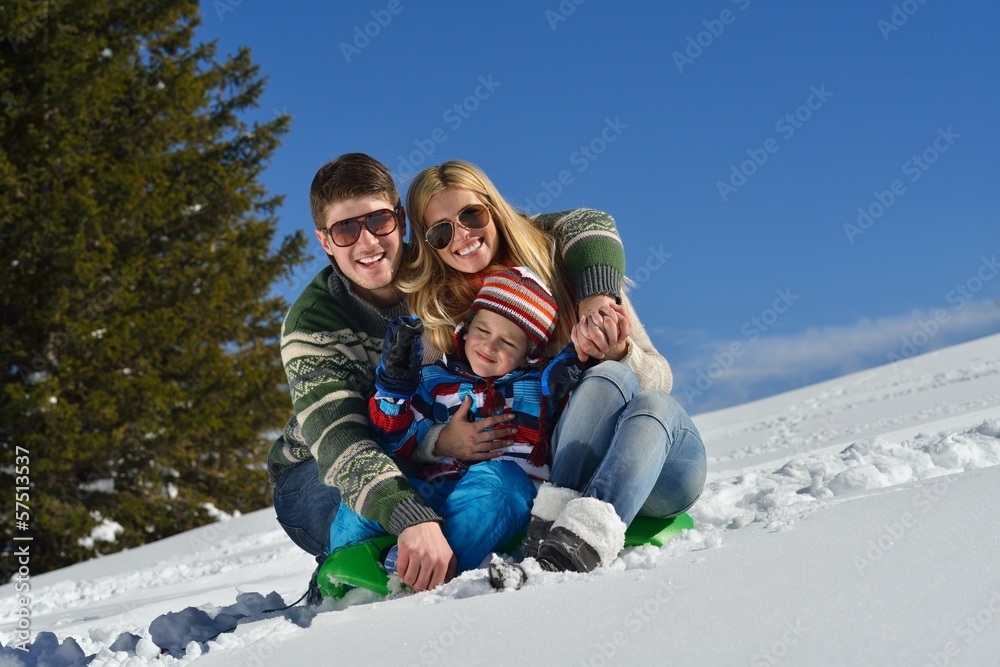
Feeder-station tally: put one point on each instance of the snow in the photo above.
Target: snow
(37, 377)
(106, 485)
(215, 512)
(106, 531)
(851, 522)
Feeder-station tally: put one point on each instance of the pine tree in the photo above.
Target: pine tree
(139, 328)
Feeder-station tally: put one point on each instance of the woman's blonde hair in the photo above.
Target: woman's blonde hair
(441, 295)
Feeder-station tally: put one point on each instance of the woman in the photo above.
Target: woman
(622, 446)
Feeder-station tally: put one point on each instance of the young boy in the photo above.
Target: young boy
(511, 321)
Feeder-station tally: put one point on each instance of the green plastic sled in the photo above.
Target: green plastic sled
(359, 565)
(647, 530)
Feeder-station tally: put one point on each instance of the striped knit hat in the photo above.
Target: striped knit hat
(519, 295)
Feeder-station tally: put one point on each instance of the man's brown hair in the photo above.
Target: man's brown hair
(349, 176)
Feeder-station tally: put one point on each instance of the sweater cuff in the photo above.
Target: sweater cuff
(424, 452)
(408, 513)
(598, 280)
(633, 356)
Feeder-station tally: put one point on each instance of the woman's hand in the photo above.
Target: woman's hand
(602, 329)
(471, 441)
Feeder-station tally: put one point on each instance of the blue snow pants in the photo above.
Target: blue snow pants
(482, 511)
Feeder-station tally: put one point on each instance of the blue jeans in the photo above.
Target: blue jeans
(306, 507)
(482, 511)
(637, 450)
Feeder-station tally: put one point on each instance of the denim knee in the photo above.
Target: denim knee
(664, 408)
(305, 507)
(682, 478)
(681, 482)
(617, 374)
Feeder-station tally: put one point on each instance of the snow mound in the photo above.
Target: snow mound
(803, 483)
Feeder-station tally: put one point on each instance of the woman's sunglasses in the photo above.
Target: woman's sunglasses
(347, 232)
(475, 216)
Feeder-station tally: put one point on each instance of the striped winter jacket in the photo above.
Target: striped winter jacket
(398, 425)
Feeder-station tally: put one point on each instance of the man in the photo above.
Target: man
(330, 346)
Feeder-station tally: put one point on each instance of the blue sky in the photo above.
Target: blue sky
(803, 190)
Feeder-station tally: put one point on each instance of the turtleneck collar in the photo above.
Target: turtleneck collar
(373, 319)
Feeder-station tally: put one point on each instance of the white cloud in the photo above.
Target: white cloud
(774, 362)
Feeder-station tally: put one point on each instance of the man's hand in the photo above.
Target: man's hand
(471, 441)
(425, 559)
(601, 330)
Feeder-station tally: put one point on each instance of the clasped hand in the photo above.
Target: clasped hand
(602, 329)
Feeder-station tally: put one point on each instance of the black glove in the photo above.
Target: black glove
(563, 373)
(398, 374)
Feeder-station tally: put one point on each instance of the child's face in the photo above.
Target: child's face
(494, 345)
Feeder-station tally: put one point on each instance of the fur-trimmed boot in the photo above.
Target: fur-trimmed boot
(587, 534)
(549, 504)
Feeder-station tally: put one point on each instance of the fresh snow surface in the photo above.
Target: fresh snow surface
(856, 522)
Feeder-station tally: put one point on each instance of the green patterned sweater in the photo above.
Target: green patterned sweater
(330, 345)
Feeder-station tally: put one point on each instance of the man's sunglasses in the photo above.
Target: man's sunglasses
(347, 232)
(475, 216)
